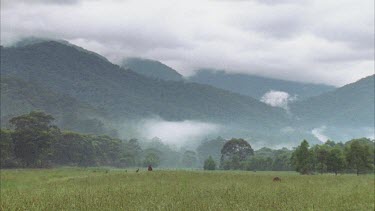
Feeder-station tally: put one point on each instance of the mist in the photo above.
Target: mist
(176, 133)
(278, 99)
(319, 133)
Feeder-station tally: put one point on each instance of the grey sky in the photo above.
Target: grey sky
(320, 41)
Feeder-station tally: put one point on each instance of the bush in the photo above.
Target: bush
(209, 164)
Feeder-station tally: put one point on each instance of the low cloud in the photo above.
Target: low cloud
(288, 39)
(187, 132)
(278, 99)
(319, 133)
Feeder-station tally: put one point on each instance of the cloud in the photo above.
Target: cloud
(319, 133)
(323, 41)
(188, 132)
(287, 129)
(10, 3)
(278, 99)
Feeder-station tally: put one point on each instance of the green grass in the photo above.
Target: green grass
(94, 189)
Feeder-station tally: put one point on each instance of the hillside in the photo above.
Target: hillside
(255, 86)
(151, 68)
(124, 94)
(20, 97)
(350, 105)
(88, 93)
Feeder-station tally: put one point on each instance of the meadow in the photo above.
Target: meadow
(115, 189)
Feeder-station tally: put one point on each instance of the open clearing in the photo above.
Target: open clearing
(112, 189)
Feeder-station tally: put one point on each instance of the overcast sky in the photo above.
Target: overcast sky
(319, 41)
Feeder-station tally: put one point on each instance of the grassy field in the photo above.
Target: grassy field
(98, 189)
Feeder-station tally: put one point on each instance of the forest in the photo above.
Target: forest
(35, 142)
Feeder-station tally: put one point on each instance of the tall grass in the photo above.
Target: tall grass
(103, 189)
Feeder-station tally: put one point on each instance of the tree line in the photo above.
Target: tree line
(355, 156)
(35, 142)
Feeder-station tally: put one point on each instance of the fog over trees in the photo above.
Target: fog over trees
(35, 142)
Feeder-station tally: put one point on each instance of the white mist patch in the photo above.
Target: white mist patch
(278, 99)
(177, 133)
(318, 133)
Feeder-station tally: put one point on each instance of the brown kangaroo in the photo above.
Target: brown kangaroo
(277, 179)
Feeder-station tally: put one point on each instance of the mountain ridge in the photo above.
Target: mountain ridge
(151, 68)
(122, 95)
(256, 86)
(94, 81)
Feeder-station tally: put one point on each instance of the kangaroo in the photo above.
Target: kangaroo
(137, 171)
(277, 179)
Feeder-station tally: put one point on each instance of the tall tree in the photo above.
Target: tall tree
(358, 156)
(152, 157)
(234, 152)
(33, 135)
(321, 153)
(132, 153)
(335, 160)
(302, 158)
(7, 158)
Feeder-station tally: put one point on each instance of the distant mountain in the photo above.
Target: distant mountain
(351, 105)
(36, 40)
(20, 97)
(255, 86)
(152, 68)
(89, 94)
(124, 94)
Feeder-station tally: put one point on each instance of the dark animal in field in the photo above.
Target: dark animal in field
(149, 168)
(277, 179)
(137, 170)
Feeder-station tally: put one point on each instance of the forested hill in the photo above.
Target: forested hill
(151, 68)
(20, 97)
(255, 86)
(121, 93)
(350, 105)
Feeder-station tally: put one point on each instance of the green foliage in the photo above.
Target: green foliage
(211, 148)
(33, 136)
(7, 157)
(260, 163)
(132, 154)
(169, 157)
(234, 152)
(36, 142)
(302, 158)
(209, 164)
(321, 158)
(151, 157)
(335, 161)
(358, 156)
(266, 159)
